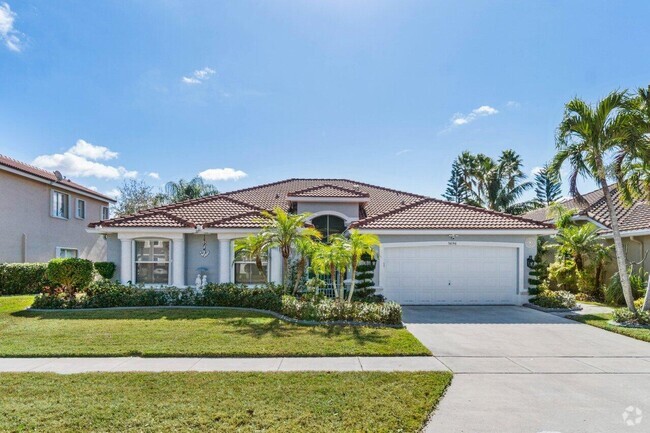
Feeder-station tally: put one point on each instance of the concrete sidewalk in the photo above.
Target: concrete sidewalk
(87, 365)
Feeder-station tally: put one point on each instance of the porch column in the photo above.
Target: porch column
(276, 266)
(126, 259)
(178, 261)
(224, 259)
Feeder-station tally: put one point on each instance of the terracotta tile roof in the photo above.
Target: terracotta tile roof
(49, 176)
(385, 208)
(634, 217)
(433, 214)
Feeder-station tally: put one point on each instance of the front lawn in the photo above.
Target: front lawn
(600, 320)
(223, 402)
(185, 332)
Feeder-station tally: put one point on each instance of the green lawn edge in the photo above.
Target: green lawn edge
(601, 321)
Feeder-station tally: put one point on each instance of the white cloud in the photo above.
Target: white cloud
(87, 150)
(513, 104)
(153, 175)
(198, 76)
(115, 193)
(94, 188)
(217, 174)
(8, 34)
(462, 119)
(535, 170)
(402, 152)
(79, 161)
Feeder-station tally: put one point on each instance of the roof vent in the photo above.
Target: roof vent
(277, 195)
(357, 188)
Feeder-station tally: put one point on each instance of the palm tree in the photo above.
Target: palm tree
(578, 242)
(359, 244)
(562, 217)
(254, 247)
(304, 247)
(548, 187)
(333, 258)
(587, 137)
(283, 231)
(185, 190)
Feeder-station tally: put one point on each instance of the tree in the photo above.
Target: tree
(283, 231)
(135, 195)
(588, 137)
(332, 258)
(493, 184)
(358, 245)
(548, 187)
(456, 188)
(253, 247)
(185, 190)
(303, 248)
(577, 242)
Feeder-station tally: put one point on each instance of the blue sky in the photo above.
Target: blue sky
(386, 92)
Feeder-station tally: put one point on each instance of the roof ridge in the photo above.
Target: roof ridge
(391, 212)
(328, 185)
(179, 219)
(230, 218)
(27, 164)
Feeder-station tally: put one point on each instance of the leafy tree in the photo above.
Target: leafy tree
(185, 190)
(135, 195)
(588, 137)
(456, 188)
(548, 187)
(494, 184)
(358, 245)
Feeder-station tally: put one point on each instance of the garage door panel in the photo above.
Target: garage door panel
(450, 274)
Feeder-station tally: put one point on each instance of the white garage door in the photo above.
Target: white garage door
(449, 274)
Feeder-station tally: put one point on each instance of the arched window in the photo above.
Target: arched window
(329, 225)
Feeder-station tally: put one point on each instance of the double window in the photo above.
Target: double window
(60, 205)
(247, 272)
(152, 261)
(81, 209)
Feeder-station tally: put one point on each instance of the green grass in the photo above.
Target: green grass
(185, 332)
(600, 321)
(220, 402)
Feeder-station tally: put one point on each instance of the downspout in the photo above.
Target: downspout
(642, 248)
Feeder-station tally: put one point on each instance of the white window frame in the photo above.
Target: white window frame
(60, 249)
(101, 213)
(135, 262)
(233, 268)
(53, 210)
(76, 212)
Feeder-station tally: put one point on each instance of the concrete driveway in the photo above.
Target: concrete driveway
(521, 370)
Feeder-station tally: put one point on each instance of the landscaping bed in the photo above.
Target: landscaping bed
(554, 301)
(220, 402)
(605, 321)
(185, 332)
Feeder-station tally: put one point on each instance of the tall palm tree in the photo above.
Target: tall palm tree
(359, 244)
(588, 137)
(185, 190)
(283, 230)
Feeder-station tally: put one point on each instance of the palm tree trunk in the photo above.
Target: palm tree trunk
(618, 247)
(333, 278)
(299, 273)
(353, 279)
(285, 266)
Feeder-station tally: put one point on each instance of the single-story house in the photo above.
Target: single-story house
(432, 252)
(633, 222)
(43, 215)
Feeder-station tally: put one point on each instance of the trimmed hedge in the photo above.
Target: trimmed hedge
(22, 278)
(105, 269)
(72, 274)
(105, 293)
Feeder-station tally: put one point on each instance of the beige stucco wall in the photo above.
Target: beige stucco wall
(26, 223)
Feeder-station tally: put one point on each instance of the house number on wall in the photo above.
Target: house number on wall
(452, 243)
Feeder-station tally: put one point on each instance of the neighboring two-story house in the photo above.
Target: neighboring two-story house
(43, 215)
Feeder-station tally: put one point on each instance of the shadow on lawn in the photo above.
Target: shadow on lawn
(144, 314)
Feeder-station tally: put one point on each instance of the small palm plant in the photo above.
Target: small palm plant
(359, 244)
(332, 258)
(254, 247)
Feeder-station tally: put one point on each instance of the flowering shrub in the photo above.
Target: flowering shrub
(105, 293)
(555, 299)
(625, 316)
(328, 310)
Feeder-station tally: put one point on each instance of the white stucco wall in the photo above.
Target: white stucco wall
(28, 229)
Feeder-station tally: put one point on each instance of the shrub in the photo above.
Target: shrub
(268, 297)
(557, 299)
(638, 304)
(562, 276)
(625, 316)
(22, 278)
(329, 310)
(105, 269)
(614, 291)
(71, 274)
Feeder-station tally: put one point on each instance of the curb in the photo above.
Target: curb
(552, 310)
(254, 310)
